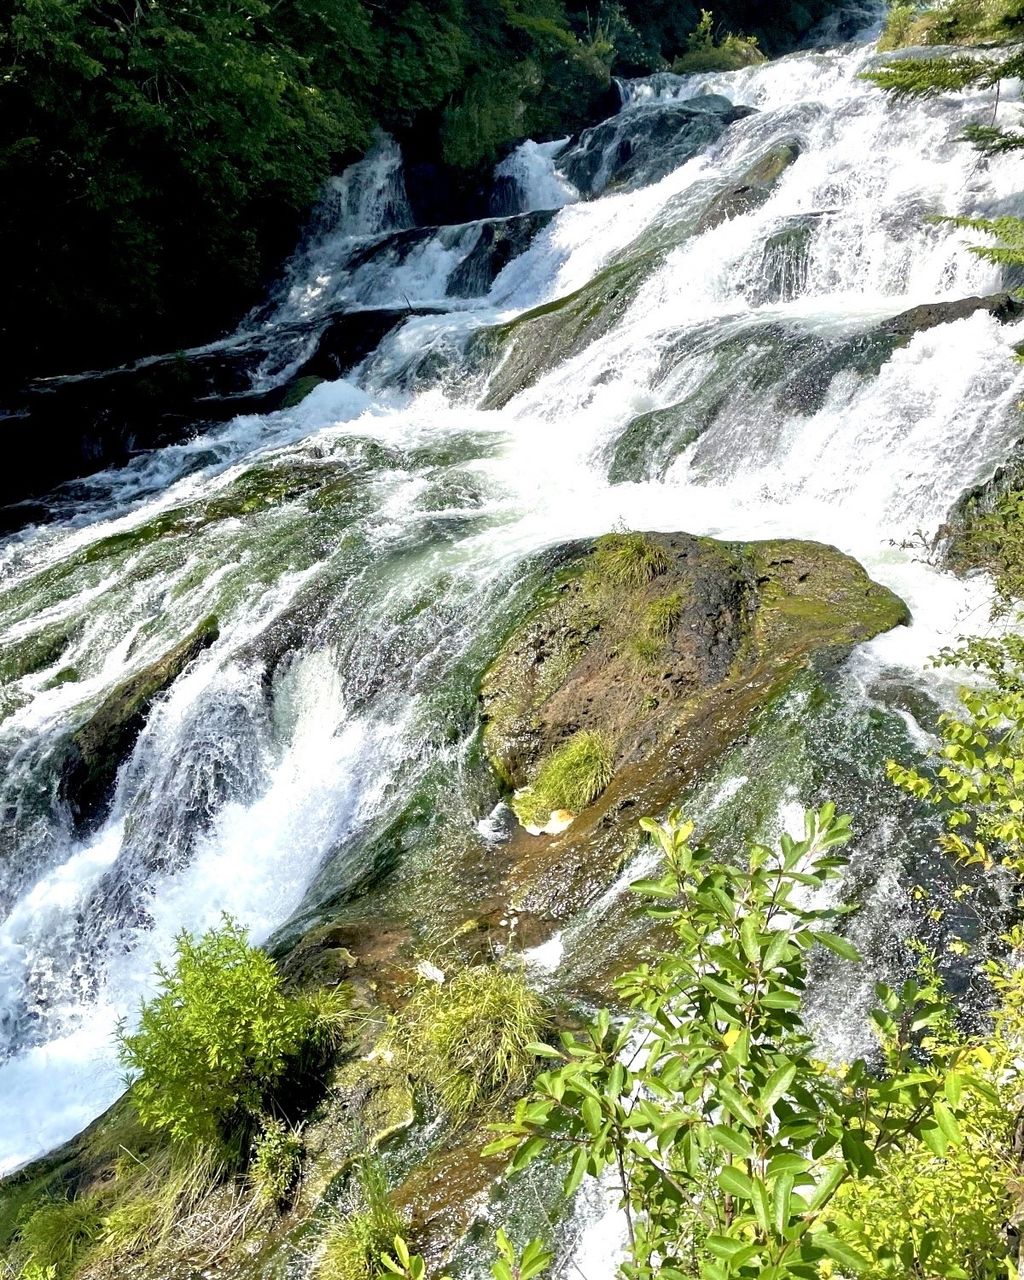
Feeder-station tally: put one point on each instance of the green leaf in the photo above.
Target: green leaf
(736, 1182)
(826, 1188)
(540, 1050)
(781, 1199)
(946, 1121)
(733, 1140)
(592, 1116)
(839, 945)
(776, 1085)
(840, 1251)
(934, 1139)
(749, 940)
(721, 990)
(739, 1107)
(576, 1173)
(953, 1087)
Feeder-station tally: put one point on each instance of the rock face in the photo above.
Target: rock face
(753, 188)
(643, 144)
(1004, 307)
(98, 746)
(667, 671)
(67, 427)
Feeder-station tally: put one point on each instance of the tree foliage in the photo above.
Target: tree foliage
(157, 160)
(728, 1139)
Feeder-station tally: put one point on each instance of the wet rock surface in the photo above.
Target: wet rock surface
(641, 145)
(749, 617)
(98, 747)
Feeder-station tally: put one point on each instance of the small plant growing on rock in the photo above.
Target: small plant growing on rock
(627, 560)
(217, 1037)
(706, 53)
(570, 778)
(355, 1245)
(470, 1037)
(662, 614)
(276, 1161)
(54, 1238)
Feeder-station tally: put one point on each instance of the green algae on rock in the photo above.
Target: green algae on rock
(743, 619)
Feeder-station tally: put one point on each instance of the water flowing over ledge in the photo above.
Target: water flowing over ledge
(364, 550)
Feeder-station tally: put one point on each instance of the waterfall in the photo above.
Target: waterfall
(363, 551)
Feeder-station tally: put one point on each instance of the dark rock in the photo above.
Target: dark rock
(63, 428)
(500, 240)
(98, 747)
(642, 144)
(1004, 307)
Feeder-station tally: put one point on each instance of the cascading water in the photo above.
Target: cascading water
(364, 551)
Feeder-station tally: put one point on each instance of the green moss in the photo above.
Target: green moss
(570, 778)
(546, 336)
(20, 658)
(299, 389)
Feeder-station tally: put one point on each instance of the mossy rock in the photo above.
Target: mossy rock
(98, 746)
(745, 619)
(34, 653)
(752, 189)
(546, 336)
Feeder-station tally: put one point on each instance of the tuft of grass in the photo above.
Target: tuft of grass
(644, 649)
(469, 1038)
(570, 778)
(57, 1234)
(154, 1197)
(662, 614)
(627, 560)
(276, 1162)
(354, 1245)
(326, 1013)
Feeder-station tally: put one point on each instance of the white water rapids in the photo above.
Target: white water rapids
(390, 585)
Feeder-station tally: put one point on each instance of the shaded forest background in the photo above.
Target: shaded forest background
(158, 157)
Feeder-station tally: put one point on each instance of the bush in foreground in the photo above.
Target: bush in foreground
(217, 1037)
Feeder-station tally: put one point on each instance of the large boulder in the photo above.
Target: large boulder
(643, 144)
(664, 669)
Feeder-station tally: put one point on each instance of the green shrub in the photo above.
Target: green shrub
(570, 778)
(276, 1162)
(706, 53)
(626, 560)
(214, 1040)
(899, 26)
(727, 1139)
(470, 1038)
(57, 1234)
(353, 1248)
